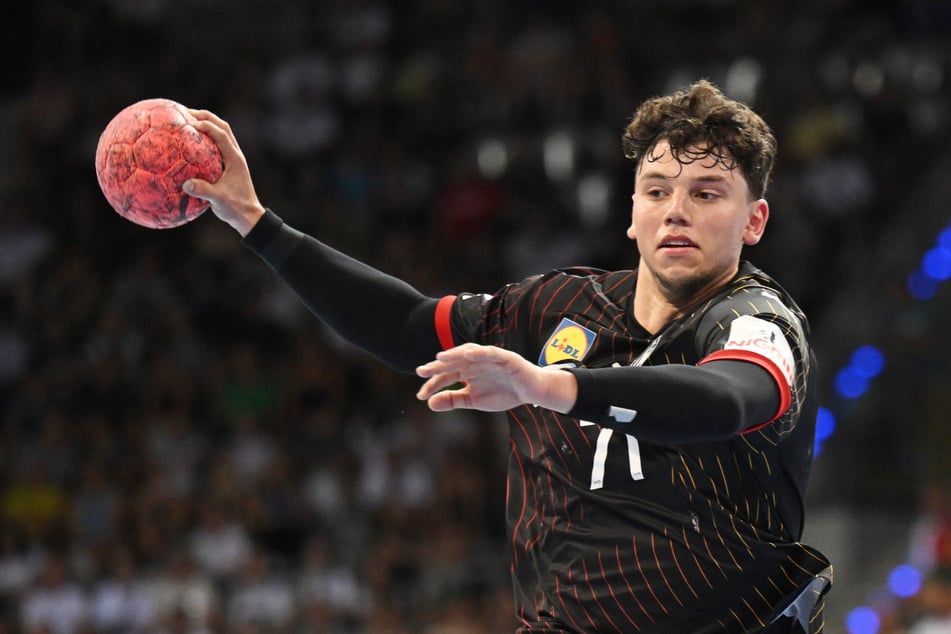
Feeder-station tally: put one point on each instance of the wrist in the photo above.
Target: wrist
(245, 221)
(560, 389)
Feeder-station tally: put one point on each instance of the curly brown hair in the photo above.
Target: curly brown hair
(702, 122)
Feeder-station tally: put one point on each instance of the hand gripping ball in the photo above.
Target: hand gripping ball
(145, 154)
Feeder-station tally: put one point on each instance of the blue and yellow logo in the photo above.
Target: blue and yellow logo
(570, 342)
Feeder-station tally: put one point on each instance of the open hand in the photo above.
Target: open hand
(492, 379)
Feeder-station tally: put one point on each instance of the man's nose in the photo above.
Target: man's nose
(677, 212)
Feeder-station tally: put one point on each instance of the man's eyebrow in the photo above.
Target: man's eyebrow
(712, 178)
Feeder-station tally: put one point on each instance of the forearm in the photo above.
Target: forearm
(676, 404)
(376, 312)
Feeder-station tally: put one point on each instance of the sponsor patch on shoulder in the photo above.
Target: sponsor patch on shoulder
(764, 338)
(570, 342)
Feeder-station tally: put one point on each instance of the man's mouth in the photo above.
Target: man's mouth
(677, 243)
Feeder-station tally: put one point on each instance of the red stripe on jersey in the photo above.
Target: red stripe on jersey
(785, 395)
(640, 569)
(578, 602)
(524, 495)
(443, 324)
(594, 594)
(622, 570)
(604, 575)
(660, 569)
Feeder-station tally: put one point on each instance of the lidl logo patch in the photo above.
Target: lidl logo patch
(570, 342)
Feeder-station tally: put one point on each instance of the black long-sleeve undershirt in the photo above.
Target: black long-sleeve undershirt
(379, 313)
(394, 322)
(678, 403)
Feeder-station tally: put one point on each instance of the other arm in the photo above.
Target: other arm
(377, 312)
(666, 404)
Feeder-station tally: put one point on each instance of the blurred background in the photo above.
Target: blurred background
(184, 449)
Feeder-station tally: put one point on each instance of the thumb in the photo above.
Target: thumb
(197, 187)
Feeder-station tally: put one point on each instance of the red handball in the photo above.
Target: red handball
(145, 154)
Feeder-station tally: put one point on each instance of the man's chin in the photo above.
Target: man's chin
(686, 287)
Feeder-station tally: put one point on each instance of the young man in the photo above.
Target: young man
(661, 419)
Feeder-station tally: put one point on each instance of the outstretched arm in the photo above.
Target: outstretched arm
(380, 313)
(377, 312)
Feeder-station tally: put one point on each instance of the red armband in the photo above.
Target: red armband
(443, 323)
(785, 393)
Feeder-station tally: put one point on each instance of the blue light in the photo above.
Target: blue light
(921, 285)
(944, 239)
(868, 361)
(825, 427)
(825, 423)
(850, 383)
(862, 620)
(937, 263)
(905, 580)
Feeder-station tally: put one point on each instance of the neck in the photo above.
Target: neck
(656, 304)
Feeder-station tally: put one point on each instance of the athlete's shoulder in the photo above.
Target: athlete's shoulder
(529, 304)
(753, 293)
(586, 273)
(572, 279)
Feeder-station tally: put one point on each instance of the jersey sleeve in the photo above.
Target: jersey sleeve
(463, 318)
(520, 315)
(767, 339)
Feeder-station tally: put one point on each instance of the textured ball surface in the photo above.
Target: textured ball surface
(145, 154)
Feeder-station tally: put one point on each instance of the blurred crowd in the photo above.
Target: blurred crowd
(185, 450)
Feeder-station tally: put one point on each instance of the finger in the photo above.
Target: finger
(470, 351)
(448, 400)
(198, 188)
(223, 137)
(204, 116)
(434, 368)
(452, 355)
(441, 402)
(444, 363)
(427, 369)
(438, 383)
(427, 389)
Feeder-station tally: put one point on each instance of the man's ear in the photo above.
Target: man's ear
(756, 224)
(631, 233)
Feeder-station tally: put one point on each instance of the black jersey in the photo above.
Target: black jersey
(612, 534)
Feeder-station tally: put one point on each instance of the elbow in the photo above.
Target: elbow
(735, 415)
(727, 415)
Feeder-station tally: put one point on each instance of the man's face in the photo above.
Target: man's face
(690, 221)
